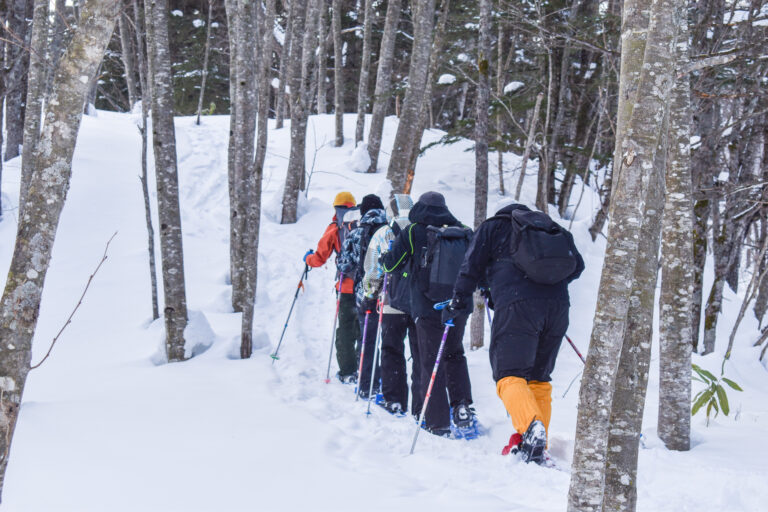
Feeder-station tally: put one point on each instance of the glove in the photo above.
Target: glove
(458, 307)
(486, 293)
(307, 254)
(368, 304)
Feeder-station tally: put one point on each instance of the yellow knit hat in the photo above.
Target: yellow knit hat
(344, 198)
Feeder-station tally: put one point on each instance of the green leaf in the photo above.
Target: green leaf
(723, 397)
(698, 379)
(704, 373)
(732, 384)
(703, 399)
(709, 407)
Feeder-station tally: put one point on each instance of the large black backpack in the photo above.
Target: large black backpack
(440, 261)
(398, 291)
(541, 249)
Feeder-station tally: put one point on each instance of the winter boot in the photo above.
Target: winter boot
(439, 431)
(394, 408)
(350, 378)
(463, 416)
(534, 443)
(514, 444)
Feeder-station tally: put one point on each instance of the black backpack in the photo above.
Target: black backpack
(440, 261)
(541, 248)
(366, 234)
(398, 291)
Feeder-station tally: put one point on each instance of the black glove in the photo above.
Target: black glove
(458, 307)
(368, 304)
(486, 293)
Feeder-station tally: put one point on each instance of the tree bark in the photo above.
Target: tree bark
(164, 145)
(338, 72)
(300, 73)
(20, 304)
(482, 104)
(126, 53)
(528, 145)
(365, 66)
(19, 58)
(383, 90)
(639, 144)
(423, 20)
(204, 71)
(322, 58)
(283, 76)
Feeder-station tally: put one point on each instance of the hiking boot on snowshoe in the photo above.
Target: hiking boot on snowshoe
(514, 444)
(534, 443)
(463, 416)
(439, 431)
(349, 378)
(393, 408)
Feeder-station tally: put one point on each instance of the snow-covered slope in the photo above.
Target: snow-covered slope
(104, 427)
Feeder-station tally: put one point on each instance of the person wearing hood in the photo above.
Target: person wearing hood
(396, 322)
(408, 248)
(530, 318)
(347, 326)
(351, 260)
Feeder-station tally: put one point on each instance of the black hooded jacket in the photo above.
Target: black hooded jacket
(488, 260)
(410, 244)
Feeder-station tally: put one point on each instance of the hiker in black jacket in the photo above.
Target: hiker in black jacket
(529, 323)
(407, 249)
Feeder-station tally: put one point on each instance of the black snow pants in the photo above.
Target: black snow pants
(364, 380)
(453, 375)
(526, 337)
(394, 376)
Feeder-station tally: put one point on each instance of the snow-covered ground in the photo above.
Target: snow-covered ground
(103, 427)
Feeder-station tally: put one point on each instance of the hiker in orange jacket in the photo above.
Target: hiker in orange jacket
(348, 329)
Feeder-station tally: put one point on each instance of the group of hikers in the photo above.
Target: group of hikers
(414, 268)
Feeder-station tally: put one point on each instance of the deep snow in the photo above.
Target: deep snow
(103, 426)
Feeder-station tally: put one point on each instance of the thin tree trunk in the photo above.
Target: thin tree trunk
(300, 72)
(365, 67)
(35, 88)
(542, 190)
(164, 144)
(499, 93)
(383, 88)
(20, 304)
(283, 76)
(423, 20)
(19, 58)
(482, 104)
(528, 145)
(338, 72)
(58, 43)
(639, 144)
(146, 99)
(322, 58)
(126, 53)
(204, 71)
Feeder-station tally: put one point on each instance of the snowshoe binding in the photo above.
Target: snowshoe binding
(532, 448)
(349, 378)
(515, 440)
(393, 408)
(464, 424)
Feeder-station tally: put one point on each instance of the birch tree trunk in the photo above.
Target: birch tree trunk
(639, 144)
(383, 88)
(126, 53)
(423, 21)
(283, 74)
(204, 71)
(146, 99)
(164, 145)
(365, 66)
(528, 145)
(338, 71)
(17, 75)
(20, 304)
(322, 58)
(302, 50)
(482, 104)
(35, 88)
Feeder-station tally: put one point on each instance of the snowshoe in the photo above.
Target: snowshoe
(464, 424)
(349, 378)
(532, 448)
(514, 444)
(393, 408)
(439, 431)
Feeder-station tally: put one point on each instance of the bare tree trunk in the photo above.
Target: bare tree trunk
(19, 58)
(301, 59)
(639, 144)
(285, 66)
(45, 199)
(677, 271)
(365, 67)
(542, 189)
(164, 144)
(126, 53)
(146, 99)
(482, 104)
(322, 58)
(253, 181)
(383, 81)
(499, 92)
(58, 43)
(528, 145)
(35, 89)
(423, 20)
(204, 71)
(338, 71)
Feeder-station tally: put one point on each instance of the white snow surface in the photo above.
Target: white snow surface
(512, 87)
(446, 79)
(105, 425)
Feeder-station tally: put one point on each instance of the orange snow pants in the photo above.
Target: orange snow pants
(526, 401)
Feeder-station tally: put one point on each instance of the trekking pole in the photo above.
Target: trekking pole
(448, 325)
(379, 334)
(362, 353)
(300, 287)
(575, 349)
(335, 321)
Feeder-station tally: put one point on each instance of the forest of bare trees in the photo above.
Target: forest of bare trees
(659, 106)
